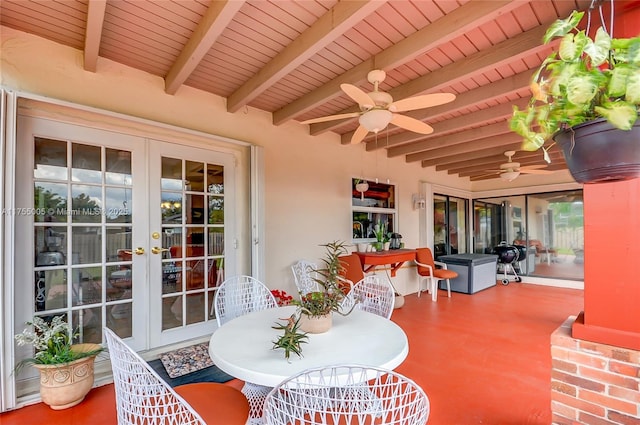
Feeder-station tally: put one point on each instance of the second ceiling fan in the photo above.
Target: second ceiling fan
(377, 108)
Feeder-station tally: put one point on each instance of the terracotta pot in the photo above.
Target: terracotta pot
(597, 152)
(65, 385)
(315, 324)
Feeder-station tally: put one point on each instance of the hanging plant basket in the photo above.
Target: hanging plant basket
(597, 152)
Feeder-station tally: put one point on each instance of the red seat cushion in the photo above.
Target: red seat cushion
(218, 404)
(445, 274)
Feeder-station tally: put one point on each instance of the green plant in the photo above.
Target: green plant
(380, 230)
(329, 279)
(52, 341)
(292, 338)
(585, 79)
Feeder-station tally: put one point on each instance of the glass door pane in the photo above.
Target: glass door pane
(188, 256)
(82, 226)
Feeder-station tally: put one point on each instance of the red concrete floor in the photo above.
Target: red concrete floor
(481, 359)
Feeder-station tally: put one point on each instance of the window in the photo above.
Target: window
(449, 225)
(371, 203)
(549, 224)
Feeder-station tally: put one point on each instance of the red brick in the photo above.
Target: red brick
(587, 419)
(577, 381)
(608, 401)
(563, 387)
(564, 366)
(563, 339)
(626, 394)
(559, 353)
(564, 410)
(623, 419)
(610, 351)
(624, 368)
(608, 377)
(578, 404)
(559, 420)
(587, 359)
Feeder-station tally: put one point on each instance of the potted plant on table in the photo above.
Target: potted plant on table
(382, 236)
(317, 307)
(66, 369)
(586, 97)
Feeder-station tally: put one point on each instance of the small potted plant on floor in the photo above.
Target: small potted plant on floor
(586, 97)
(66, 369)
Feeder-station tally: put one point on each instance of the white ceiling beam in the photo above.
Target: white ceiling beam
(475, 155)
(496, 175)
(475, 169)
(214, 21)
(494, 160)
(479, 144)
(450, 26)
(504, 52)
(450, 140)
(324, 31)
(93, 33)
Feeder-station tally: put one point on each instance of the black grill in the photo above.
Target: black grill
(508, 259)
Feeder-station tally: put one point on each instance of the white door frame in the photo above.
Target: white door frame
(40, 106)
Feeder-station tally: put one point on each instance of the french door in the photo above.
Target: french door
(120, 231)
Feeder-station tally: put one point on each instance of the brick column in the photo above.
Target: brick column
(593, 383)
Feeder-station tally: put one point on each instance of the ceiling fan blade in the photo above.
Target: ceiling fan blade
(331, 118)
(355, 93)
(359, 135)
(411, 124)
(419, 102)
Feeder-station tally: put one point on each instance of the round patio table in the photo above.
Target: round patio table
(242, 347)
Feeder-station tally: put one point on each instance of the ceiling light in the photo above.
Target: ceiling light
(509, 175)
(375, 119)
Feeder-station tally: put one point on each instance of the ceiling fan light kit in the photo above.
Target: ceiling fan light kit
(375, 120)
(510, 175)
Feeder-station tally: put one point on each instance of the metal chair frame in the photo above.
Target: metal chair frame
(375, 296)
(237, 296)
(142, 396)
(347, 394)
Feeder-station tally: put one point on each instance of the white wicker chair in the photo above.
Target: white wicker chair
(237, 296)
(142, 397)
(374, 296)
(304, 274)
(333, 395)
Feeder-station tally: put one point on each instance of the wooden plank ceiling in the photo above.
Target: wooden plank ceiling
(290, 57)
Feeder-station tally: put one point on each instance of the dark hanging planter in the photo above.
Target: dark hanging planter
(597, 152)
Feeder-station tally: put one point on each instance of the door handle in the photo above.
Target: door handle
(138, 251)
(158, 250)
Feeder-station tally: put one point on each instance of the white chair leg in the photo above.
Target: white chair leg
(427, 287)
(449, 287)
(434, 289)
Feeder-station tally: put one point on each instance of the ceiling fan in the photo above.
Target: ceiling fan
(510, 169)
(377, 108)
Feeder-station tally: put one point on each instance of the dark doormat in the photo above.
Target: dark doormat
(208, 374)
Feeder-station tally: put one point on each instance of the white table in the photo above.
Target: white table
(243, 347)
